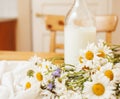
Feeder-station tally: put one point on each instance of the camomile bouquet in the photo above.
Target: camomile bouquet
(97, 76)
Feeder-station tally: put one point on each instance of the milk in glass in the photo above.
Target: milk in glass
(79, 30)
(77, 38)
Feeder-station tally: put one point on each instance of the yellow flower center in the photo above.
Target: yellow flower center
(46, 66)
(98, 89)
(98, 68)
(89, 55)
(39, 76)
(101, 54)
(109, 74)
(40, 65)
(81, 59)
(28, 85)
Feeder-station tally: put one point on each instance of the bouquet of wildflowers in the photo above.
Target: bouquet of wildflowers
(97, 76)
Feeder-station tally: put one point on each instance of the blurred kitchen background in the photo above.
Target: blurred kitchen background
(22, 30)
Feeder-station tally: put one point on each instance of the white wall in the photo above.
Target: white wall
(116, 11)
(8, 8)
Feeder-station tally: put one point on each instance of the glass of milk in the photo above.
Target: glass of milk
(79, 30)
(77, 38)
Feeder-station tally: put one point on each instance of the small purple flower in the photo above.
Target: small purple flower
(50, 86)
(57, 72)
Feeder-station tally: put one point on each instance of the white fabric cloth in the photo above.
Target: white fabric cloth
(10, 74)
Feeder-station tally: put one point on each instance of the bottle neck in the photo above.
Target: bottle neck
(77, 3)
(79, 14)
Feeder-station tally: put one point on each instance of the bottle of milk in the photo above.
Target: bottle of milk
(79, 30)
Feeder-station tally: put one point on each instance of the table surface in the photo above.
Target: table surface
(19, 56)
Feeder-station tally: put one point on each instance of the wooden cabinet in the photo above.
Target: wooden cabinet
(7, 34)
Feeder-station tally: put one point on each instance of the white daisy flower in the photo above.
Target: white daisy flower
(110, 72)
(30, 89)
(90, 52)
(87, 57)
(117, 65)
(45, 94)
(60, 87)
(35, 60)
(29, 82)
(103, 50)
(116, 75)
(99, 88)
(27, 87)
(40, 76)
(107, 70)
(47, 65)
(71, 95)
(81, 56)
